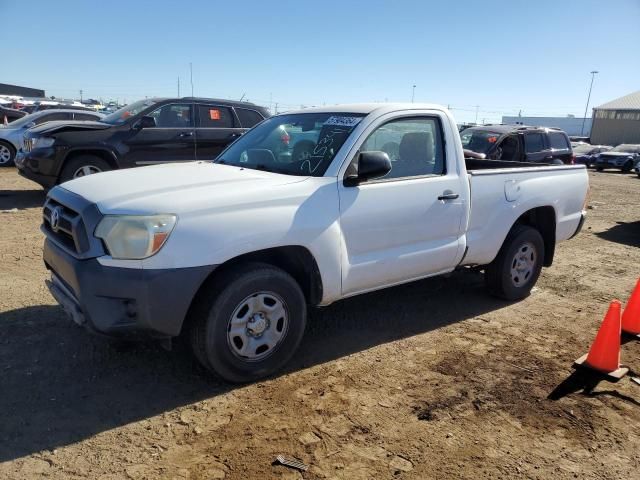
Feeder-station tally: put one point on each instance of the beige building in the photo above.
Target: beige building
(617, 121)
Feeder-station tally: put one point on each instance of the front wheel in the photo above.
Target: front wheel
(7, 154)
(627, 167)
(83, 165)
(248, 324)
(516, 269)
(599, 169)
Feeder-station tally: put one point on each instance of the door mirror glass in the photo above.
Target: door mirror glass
(30, 125)
(145, 122)
(371, 165)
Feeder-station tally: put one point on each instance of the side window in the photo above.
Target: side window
(414, 146)
(248, 118)
(173, 116)
(51, 117)
(558, 141)
(533, 142)
(84, 116)
(213, 116)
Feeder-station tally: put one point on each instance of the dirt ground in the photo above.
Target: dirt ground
(430, 380)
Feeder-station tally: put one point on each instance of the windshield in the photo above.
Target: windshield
(120, 116)
(295, 144)
(478, 141)
(623, 148)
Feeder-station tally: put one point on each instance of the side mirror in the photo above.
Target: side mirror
(370, 165)
(30, 125)
(145, 122)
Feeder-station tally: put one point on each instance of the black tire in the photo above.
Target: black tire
(498, 274)
(6, 147)
(627, 167)
(71, 167)
(210, 321)
(302, 150)
(599, 169)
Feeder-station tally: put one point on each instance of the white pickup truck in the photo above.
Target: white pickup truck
(232, 252)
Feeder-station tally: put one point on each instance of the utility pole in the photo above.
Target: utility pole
(593, 75)
(413, 93)
(477, 108)
(276, 109)
(191, 76)
(80, 95)
(270, 101)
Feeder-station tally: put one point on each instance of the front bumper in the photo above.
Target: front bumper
(611, 162)
(39, 165)
(122, 301)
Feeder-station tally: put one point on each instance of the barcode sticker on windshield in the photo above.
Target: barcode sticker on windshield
(343, 121)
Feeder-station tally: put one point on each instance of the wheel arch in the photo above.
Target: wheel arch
(542, 219)
(296, 260)
(103, 153)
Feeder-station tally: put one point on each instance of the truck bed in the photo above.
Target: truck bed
(502, 191)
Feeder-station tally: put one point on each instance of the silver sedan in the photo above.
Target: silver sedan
(12, 135)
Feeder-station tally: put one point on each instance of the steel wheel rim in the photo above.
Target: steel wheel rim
(86, 170)
(523, 264)
(257, 326)
(5, 154)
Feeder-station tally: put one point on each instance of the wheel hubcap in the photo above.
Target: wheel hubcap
(257, 326)
(5, 154)
(523, 264)
(86, 170)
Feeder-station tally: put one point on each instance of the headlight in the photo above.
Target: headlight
(43, 142)
(134, 237)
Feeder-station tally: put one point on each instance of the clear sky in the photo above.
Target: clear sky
(504, 56)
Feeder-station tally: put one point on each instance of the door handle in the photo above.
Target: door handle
(448, 196)
(185, 134)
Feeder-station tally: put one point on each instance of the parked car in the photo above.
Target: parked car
(579, 139)
(519, 143)
(587, 154)
(637, 168)
(244, 244)
(12, 136)
(9, 115)
(622, 157)
(146, 132)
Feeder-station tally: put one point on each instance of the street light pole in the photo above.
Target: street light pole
(593, 75)
(413, 93)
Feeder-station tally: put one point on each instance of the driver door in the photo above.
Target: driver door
(408, 224)
(171, 140)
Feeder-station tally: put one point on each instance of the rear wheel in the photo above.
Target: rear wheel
(599, 169)
(517, 267)
(249, 323)
(82, 166)
(626, 168)
(7, 154)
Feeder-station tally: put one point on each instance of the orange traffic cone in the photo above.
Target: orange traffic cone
(604, 354)
(631, 314)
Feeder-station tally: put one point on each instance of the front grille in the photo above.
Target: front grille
(28, 144)
(65, 227)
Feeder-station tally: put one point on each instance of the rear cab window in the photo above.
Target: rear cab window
(214, 116)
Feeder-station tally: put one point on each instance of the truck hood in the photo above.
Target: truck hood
(179, 188)
(68, 125)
